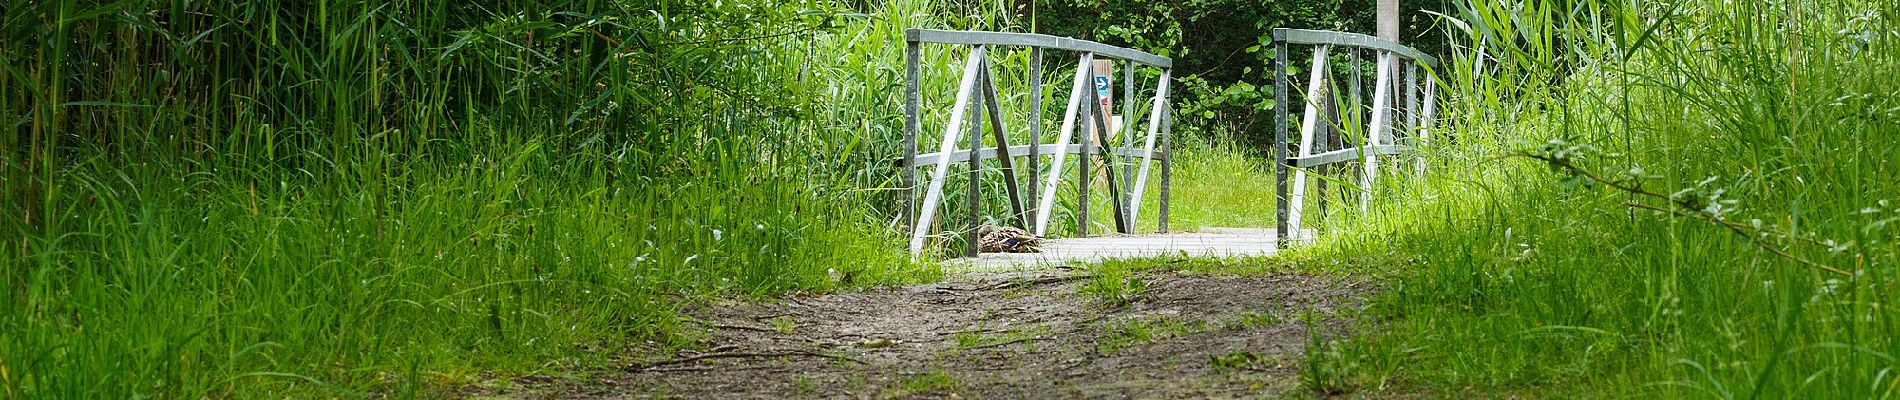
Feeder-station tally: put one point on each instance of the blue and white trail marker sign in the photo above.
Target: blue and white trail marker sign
(1105, 89)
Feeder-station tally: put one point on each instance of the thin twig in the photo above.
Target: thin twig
(1037, 282)
(1573, 168)
(1567, 165)
(1000, 344)
(1737, 228)
(735, 354)
(679, 369)
(1016, 283)
(771, 316)
(732, 327)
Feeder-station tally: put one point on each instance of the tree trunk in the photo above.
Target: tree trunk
(1389, 20)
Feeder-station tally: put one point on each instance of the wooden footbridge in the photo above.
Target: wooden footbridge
(1334, 132)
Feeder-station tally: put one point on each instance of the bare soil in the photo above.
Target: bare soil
(1021, 335)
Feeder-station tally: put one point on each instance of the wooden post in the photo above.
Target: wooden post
(1035, 124)
(1326, 133)
(1167, 148)
(976, 162)
(1280, 143)
(1358, 113)
(1388, 16)
(1411, 117)
(1003, 158)
(1082, 162)
(1358, 101)
(1103, 80)
(1430, 115)
(1332, 141)
(912, 78)
(1126, 123)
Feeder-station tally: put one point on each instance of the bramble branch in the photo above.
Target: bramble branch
(1684, 207)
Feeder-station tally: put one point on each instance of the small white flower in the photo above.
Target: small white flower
(716, 234)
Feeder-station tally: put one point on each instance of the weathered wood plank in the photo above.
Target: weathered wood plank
(1083, 172)
(1127, 128)
(997, 131)
(912, 91)
(1304, 36)
(1035, 40)
(1411, 116)
(1167, 165)
(1048, 196)
(1347, 154)
(1280, 150)
(1035, 125)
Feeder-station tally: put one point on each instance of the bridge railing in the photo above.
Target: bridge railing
(978, 89)
(1384, 135)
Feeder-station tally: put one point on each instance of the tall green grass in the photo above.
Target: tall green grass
(1216, 184)
(342, 199)
(1524, 278)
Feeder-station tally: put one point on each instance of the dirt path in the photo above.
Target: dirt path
(1024, 335)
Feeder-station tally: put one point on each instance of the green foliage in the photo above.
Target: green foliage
(784, 324)
(1325, 371)
(803, 385)
(1118, 335)
(347, 199)
(1215, 184)
(1238, 360)
(928, 382)
(1112, 285)
(1251, 320)
(1707, 157)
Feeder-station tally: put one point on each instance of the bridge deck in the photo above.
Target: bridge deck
(1210, 242)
